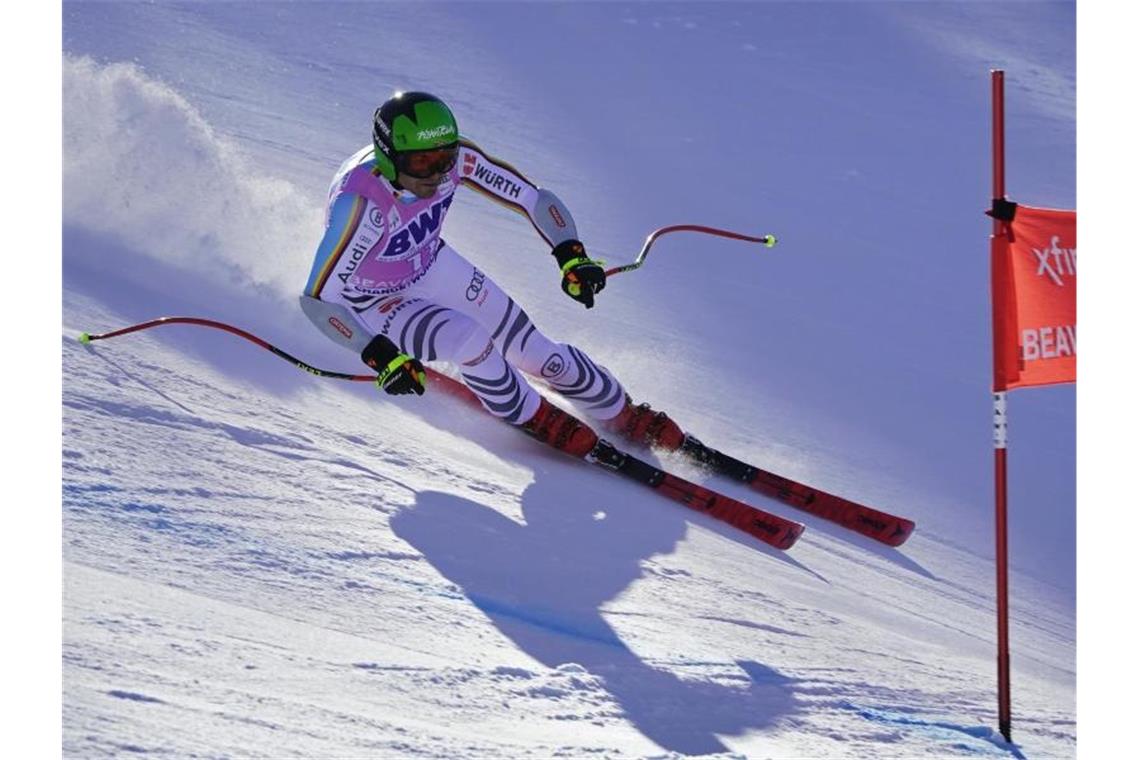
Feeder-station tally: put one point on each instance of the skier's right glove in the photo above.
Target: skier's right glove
(397, 372)
(582, 276)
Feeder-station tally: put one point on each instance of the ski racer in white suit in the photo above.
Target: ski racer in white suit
(384, 282)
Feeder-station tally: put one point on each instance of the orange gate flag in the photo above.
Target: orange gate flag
(1033, 268)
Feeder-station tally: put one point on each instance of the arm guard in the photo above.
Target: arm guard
(507, 186)
(336, 323)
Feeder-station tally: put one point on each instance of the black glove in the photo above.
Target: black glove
(582, 276)
(398, 373)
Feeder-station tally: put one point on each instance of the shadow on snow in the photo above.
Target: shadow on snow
(543, 585)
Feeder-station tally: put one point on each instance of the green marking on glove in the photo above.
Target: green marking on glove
(580, 260)
(573, 263)
(571, 283)
(393, 366)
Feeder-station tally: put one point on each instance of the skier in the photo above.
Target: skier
(384, 282)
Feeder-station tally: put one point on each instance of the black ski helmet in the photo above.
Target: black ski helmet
(410, 121)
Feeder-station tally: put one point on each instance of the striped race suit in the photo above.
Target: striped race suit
(382, 268)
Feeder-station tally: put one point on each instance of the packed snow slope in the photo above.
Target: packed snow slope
(260, 563)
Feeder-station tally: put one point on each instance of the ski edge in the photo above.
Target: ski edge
(774, 530)
(896, 531)
(875, 524)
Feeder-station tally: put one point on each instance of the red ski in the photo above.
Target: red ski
(884, 527)
(771, 529)
(891, 530)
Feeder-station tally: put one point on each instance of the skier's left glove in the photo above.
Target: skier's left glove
(582, 277)
(397, 372)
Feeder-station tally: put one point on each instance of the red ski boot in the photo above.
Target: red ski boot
(561, 430)
(641, 424)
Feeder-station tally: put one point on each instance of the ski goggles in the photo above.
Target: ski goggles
(422, 164)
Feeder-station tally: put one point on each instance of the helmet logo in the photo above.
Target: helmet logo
(440, 131)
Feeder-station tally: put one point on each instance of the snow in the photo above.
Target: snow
(260, 563)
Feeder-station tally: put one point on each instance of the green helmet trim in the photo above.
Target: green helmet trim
(384, 164)
(410, 121)
(434, 127)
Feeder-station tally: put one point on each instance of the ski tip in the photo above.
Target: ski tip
(769, 240)
(85, 338)
(790, 536)
(899, 533)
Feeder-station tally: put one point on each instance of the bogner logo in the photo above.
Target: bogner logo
(416, 230)
(1055, 262)
(553, 366)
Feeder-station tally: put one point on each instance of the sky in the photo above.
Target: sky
(833, 158)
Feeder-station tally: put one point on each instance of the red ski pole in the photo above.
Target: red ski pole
(767, 240)
(447, 384)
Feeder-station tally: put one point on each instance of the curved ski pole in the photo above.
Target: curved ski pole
(767, 240)
(87, 338)
(445, 383)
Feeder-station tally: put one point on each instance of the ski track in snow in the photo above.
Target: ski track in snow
(247, 577)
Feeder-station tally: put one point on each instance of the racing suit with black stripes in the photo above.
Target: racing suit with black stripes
(382, 268)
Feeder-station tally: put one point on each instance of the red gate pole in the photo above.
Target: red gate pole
(997, 79)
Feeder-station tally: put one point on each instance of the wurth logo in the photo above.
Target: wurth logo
(497, 181)
(469, 162)
(1055, 262)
